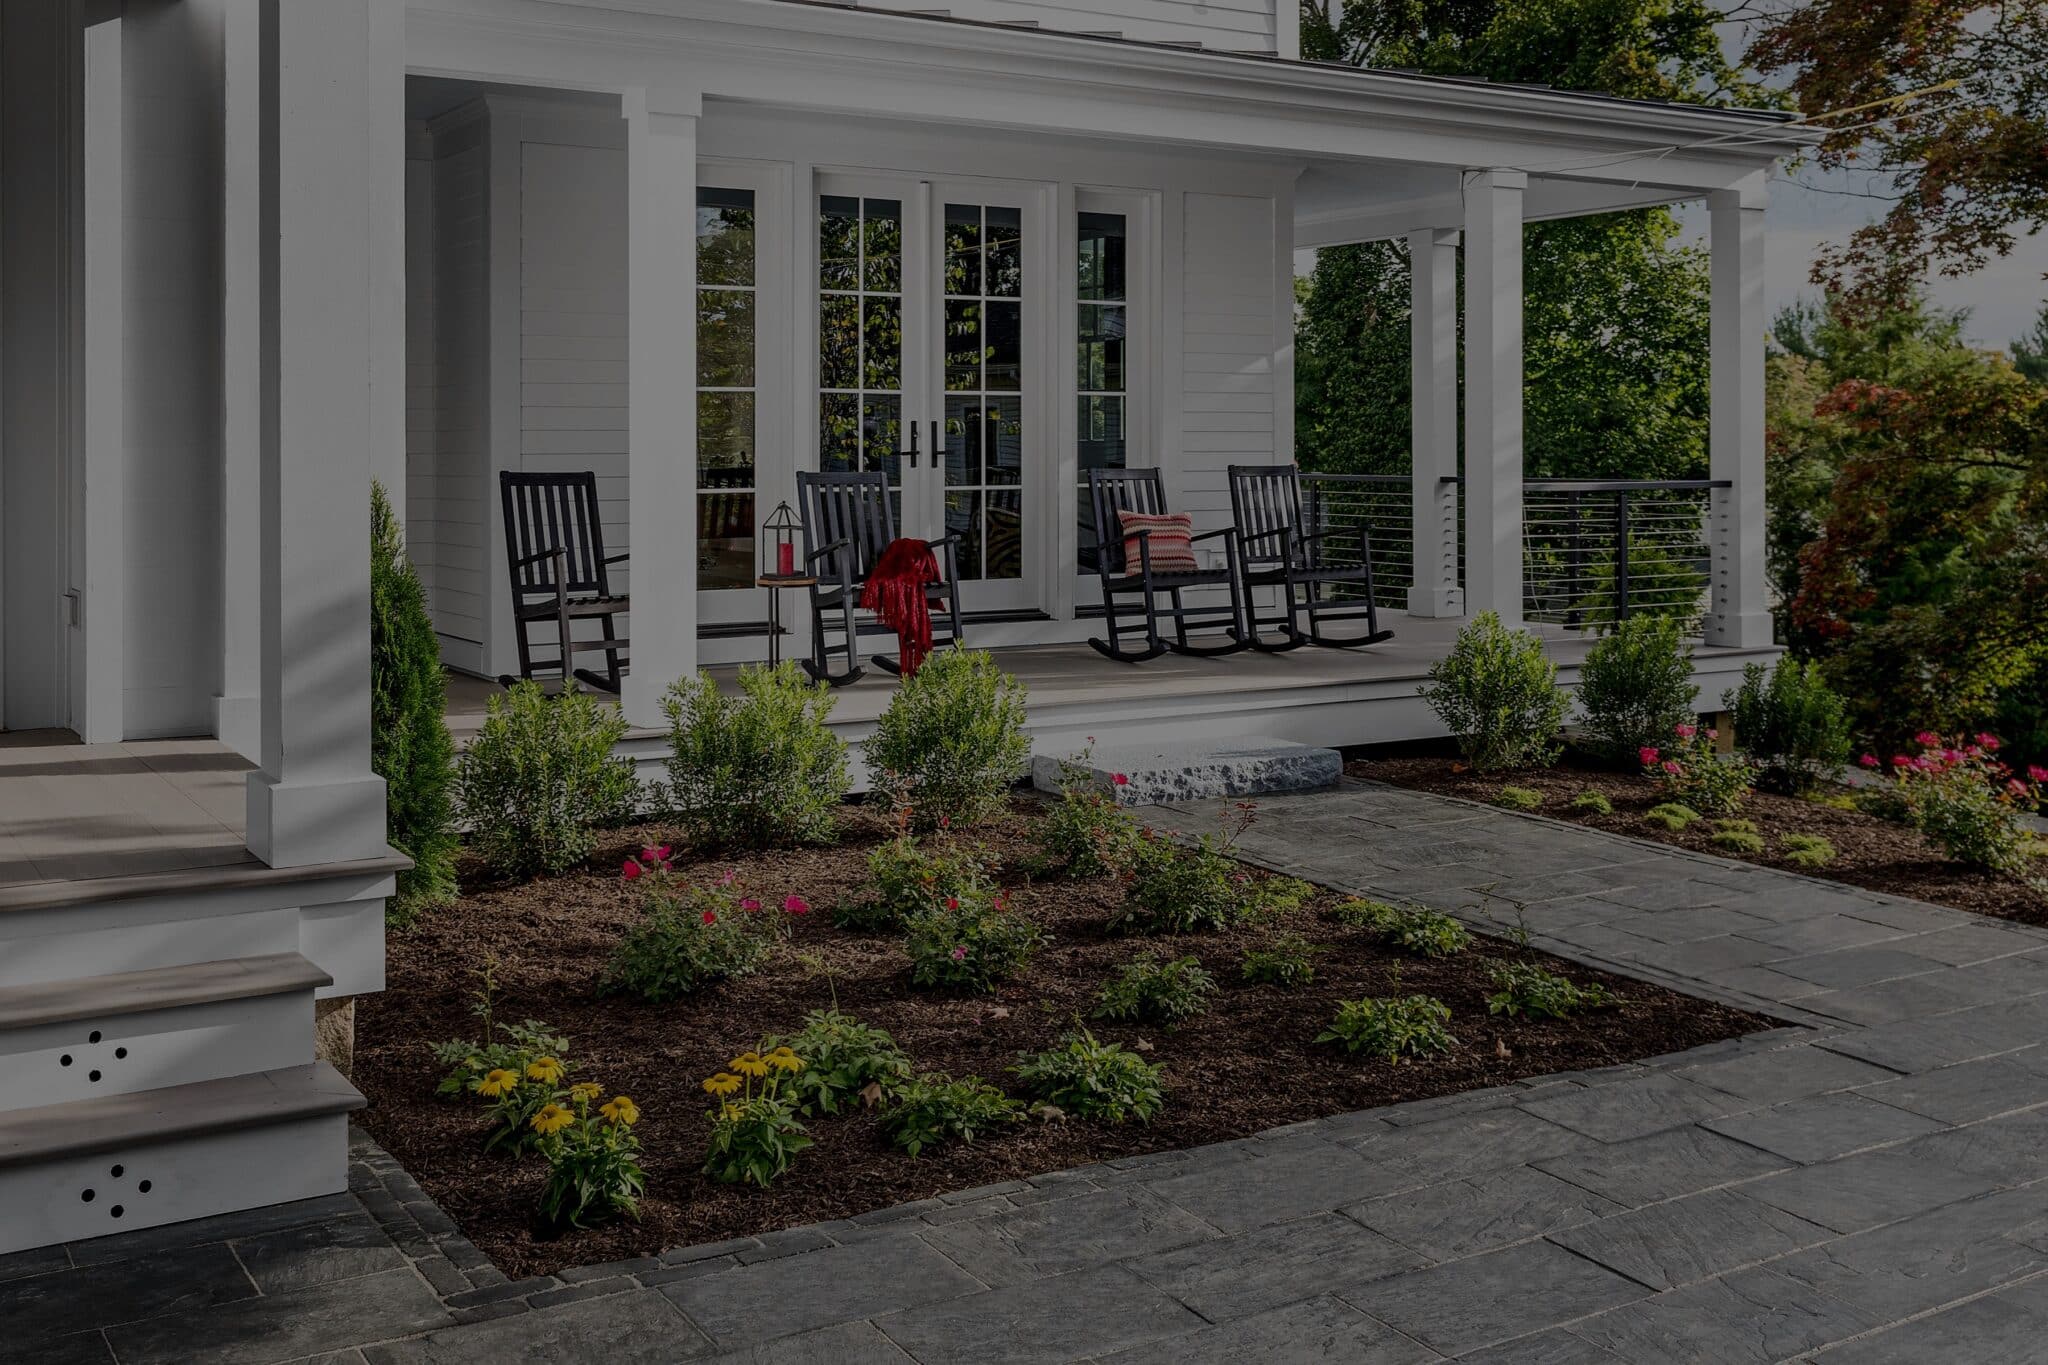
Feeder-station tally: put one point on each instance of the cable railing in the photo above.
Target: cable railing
(1383, 506)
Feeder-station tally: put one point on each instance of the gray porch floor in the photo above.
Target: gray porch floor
(1868, 1183)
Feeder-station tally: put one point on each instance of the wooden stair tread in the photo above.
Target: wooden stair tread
(111, 1122)
(156, 988)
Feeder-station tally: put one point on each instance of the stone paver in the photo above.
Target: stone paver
(1868, 1183)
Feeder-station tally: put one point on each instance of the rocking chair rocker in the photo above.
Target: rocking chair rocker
(1284, 546)
(1140, 491)
(848, 520)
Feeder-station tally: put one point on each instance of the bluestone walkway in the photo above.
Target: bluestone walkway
(1868, 1183)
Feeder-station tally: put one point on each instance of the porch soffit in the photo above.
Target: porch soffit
(832, 59)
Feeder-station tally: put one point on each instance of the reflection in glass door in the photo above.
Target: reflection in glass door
(983, 431)
(860, 336)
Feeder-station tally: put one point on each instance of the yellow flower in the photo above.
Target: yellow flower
(619, 1109)
(724, 1083)
(749, 1064)
(544, 1069)
(782, 1059)
(730, 1111)
(498, 1082)
(552, 1118)
(583, 1092)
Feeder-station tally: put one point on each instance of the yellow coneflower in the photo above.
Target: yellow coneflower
(545, 1070)
(552, 1118)
(749, 1064)
(782, 1059)
(724, 1083)
(583, 1092)
(619, 1109)
(498, 1082)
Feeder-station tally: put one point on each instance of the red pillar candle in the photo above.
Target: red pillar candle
(785, 559)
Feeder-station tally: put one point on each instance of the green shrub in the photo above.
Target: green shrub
(1884, 803)
(1670, 815)
(1391, 1027)
(1790, 724)
(935, 1109)
(1969, 804)
(1690, 771)
(540, 777)
(952, 740)
(1272, 895)
(1591, 803)
(1086, 829)
(1287, 962)
(1808, 850)
(1519, 798)
(1833, 800)
(843, 1058)
(410, 747)
(1093, 1080)
(1636, 685)
(908, 878)
(1497, 694)
(1739, 826)
(1176, 890)
(1525, 988)
(757, 770)
(689, 937)
(1414, 929)
(1153, 991)
(1739, 840)
(970, 942)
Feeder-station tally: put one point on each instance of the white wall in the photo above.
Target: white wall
(1229, 349)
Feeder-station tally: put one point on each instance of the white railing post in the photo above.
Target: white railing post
(1493, 393)
(1433, 405)
(661, 462)
(1738, 613)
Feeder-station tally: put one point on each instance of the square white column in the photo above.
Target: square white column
(1433, 419)
(1493, 393)
(661, 463)
(315, 798)
(1739, 613)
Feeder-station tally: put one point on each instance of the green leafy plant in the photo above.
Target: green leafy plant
(951, 741)
(690, 936)
(1832, 800)
(539, 778)
(1174, 889)
(1738, 840)
(1413, 929)
(755, 1132)
(1087, 829)
(1519, 798)
(1968, 803)
(908, 877)
(934, 1109)
(757, 770)
(468, 1063)
(1808, 850)
(1738, 825)
(1672, 816)
(1692, 773)
(1093, 1080)
(1393, 1028)
(845, 1062)
(1636, 686)
(410, 747)
(1156, 991)
(1790, 724)
(1523, 988)
(517, 1096)
(970, 942)
(1591, 803)
(593, 1159)
(1497, 694)
(1885, 803)
(1287, 962)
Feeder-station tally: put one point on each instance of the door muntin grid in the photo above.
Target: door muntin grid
(982, 432)
(860, 336)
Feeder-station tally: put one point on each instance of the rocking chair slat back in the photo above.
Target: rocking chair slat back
(1112, 491)
(544, 512)
(1265, 499)
(854, 507)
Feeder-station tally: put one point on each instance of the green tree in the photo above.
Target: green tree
(410, 747)
(2030, 352)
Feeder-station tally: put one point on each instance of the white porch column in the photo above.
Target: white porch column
(1493, 393)
(1738, 614)
(1433, 409)
(238, 711)
(661, 463)
(315, 799)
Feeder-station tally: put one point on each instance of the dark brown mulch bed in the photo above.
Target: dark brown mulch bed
(1247, 1065)
(1872, 853)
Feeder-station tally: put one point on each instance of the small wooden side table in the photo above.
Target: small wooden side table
(775, 583)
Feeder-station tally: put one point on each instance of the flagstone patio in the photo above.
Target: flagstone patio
(1868, 1183)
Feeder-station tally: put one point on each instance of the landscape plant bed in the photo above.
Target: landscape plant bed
(1877, 854)
(1248, 1064)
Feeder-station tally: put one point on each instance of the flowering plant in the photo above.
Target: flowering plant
(970, 942)
(1967, 801)
(908, 877)
(693, 934)
(1088, 828)
(593, 1159)
(1694, 775)
(755, 1132)
(517, 1095)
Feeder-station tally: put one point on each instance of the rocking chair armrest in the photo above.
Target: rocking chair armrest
(1279, 533)
(950, 538)
(619, 558)
(538, 555)
(843, 543)
(1210, 535)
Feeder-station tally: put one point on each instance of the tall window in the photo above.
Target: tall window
(1102, 381)
(984, 432)
(860, 334)
(725, 388)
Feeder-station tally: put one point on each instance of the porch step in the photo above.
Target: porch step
(129, 1032)
(1251, 766)
(108, 1164)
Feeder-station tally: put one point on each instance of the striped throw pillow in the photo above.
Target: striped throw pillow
(1171, 544)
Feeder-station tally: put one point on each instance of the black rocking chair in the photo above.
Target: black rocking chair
(1283, 544)
(554, 548)
(848, 520)
(1111, 491)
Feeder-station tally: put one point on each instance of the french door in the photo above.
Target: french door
(929, 325)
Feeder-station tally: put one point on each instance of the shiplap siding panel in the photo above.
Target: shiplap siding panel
(1223, 25)
(1227, 347)
(454, 488)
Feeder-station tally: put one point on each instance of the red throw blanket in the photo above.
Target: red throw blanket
(895, 592)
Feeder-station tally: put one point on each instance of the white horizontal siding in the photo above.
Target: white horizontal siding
(450, 484)
(1228, 389)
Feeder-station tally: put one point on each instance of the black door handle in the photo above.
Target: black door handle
(911, 454)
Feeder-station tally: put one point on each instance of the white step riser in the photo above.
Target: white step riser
(152, 1049)
(100, 940)
(188, 1178)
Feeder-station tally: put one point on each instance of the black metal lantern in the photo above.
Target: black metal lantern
(778, 543)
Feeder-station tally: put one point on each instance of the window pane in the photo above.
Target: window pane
(838, 242)
(963, 249)
(1005, 255)
(725, 540)
(838, 342)
(881, 436)
(725, 338)
(882, 342)
(882, 244)
(838, 432)
(1102, 256)
(964, 344)
(1005, 342)
(1102, 432)
(963, 519)
(1003, 438)
(725, 236)
(963, 433)
(725, 440)
(1003, 533)
(1101, 354)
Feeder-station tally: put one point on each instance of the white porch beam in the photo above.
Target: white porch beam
(1433, 419)
(315, 798)
(1493, 394)
(661, 461)
(1738, 614)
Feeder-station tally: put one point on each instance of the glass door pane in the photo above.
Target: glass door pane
(860, 336)
(1103, 309)
(726, 388)
(983, 432)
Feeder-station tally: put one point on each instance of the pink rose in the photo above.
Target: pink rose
(796, 905)
(1868, 760)
(959, 951)
(654, 855)
(1672, 766)
(710, 918)
(1927, 739)
(1989, 741)
(749, 903)
(1120, 779)
(1686, 731)
(632, 869)
(731, 875)
(1647, 754)
(2037, 773)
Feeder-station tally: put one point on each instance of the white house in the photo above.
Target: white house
(254, 253)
